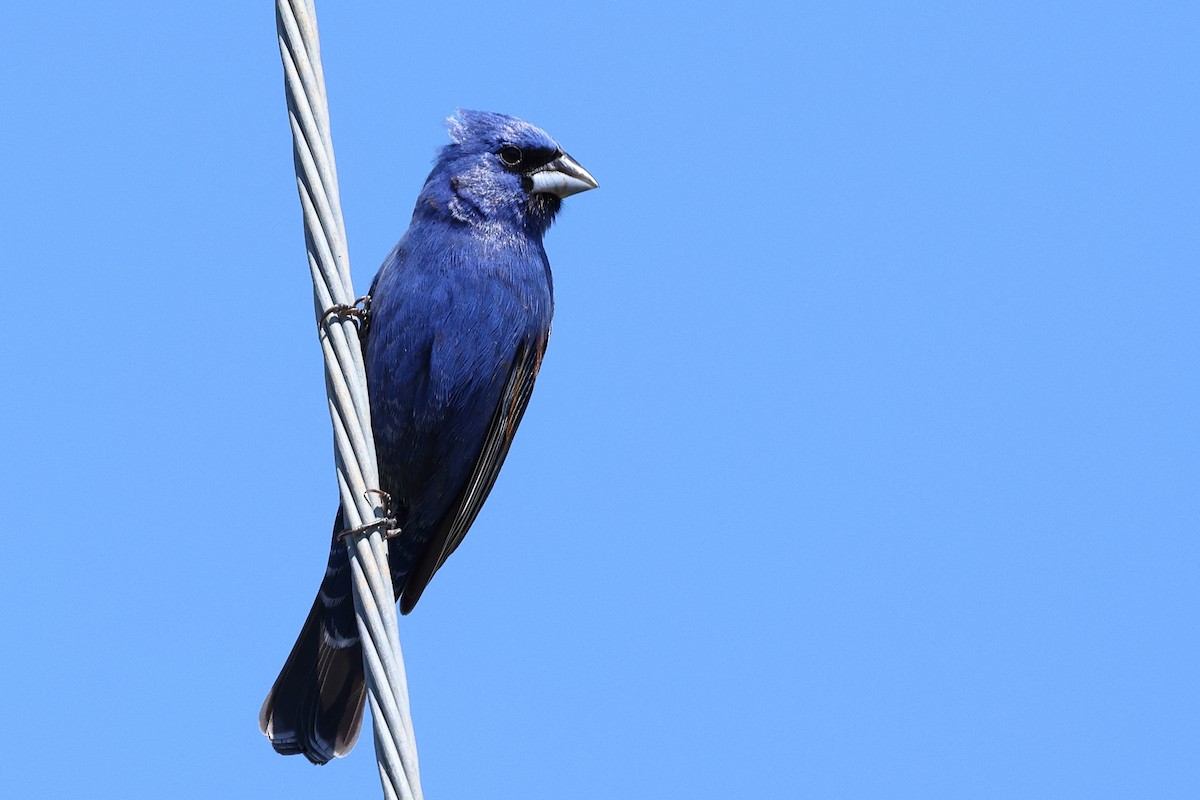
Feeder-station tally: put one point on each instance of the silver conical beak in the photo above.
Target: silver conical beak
(563, 176)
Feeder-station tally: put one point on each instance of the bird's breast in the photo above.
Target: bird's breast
(445, 327)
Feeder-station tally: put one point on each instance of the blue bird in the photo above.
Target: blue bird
(458, 323)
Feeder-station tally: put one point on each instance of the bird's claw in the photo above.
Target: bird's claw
(387, 521)
(359, 311)
(388, 524)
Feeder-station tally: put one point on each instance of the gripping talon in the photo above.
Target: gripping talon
(359, 311)
(385, 505)
(390, 531)
(385, 500)
(387, 523)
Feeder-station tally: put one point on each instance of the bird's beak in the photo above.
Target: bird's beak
(563, 176)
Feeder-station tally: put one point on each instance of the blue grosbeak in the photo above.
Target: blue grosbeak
(458, 321)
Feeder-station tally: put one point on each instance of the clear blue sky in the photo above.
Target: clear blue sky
(864, 462)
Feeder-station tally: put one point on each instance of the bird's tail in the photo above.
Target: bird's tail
(316, 704)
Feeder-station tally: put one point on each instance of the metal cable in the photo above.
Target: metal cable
(346, 385)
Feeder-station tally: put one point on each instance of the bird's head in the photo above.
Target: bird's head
(500, 170)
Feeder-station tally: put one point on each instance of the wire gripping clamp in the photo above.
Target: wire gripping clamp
(359, 311)
(387, 520)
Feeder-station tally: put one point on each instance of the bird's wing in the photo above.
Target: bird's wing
(499, 437)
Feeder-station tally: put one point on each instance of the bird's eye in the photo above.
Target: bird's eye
(510, 155)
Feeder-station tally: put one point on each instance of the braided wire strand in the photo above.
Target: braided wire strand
(349, 408)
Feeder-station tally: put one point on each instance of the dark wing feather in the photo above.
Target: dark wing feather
(501, 430)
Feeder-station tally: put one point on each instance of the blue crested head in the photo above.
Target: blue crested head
(500, 170)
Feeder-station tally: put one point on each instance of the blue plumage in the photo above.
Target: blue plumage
(459, 318)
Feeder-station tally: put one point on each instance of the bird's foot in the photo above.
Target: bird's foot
(359, 311)
(387, 522)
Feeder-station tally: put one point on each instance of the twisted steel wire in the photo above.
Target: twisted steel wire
(349, 408)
